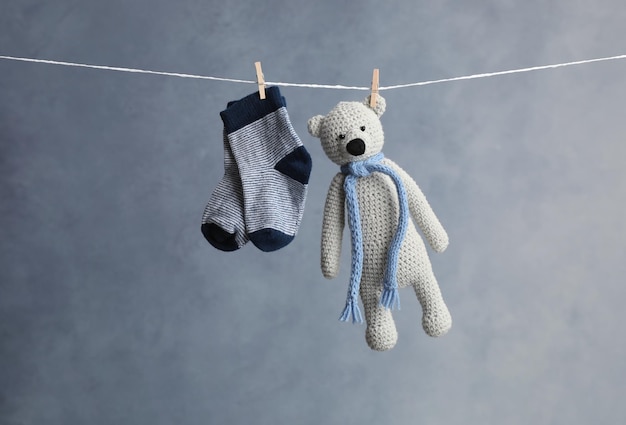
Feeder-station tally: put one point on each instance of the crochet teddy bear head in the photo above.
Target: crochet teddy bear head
(351, 131)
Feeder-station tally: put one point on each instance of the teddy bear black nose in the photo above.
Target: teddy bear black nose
(356, 147)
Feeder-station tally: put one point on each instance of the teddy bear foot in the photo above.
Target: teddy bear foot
(381, 338)
(437, 323)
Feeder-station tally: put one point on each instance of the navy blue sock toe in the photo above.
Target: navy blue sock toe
(270, 239)
(219, 237)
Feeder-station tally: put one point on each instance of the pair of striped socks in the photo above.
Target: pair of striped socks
(266, 172)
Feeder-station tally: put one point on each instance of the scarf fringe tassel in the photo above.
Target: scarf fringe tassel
(352, 309)
(390, 298)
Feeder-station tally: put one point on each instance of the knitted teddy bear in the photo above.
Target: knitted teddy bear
(378, 198)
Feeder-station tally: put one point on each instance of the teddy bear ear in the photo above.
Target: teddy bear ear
(315, 125)
(380, 107)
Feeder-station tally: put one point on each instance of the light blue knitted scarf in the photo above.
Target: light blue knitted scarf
(390, 297)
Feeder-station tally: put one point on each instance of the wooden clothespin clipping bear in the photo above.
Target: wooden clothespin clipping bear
(374, 94)
(381, 198)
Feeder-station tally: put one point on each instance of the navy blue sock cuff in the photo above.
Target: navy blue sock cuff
(251, 108)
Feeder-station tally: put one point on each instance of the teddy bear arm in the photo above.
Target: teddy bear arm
(421, 211)
(332, 227)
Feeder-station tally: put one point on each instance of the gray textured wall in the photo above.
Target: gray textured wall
(115, 310)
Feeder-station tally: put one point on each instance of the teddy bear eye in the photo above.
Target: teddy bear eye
(342, 136)
(362, 128)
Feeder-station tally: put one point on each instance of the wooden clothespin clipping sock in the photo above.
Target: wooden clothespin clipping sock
(260, 79)
(374, 94)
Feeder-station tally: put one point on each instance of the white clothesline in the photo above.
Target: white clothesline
(308, 85)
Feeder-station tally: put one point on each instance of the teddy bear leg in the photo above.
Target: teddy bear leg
(436, 319)
(381, 334)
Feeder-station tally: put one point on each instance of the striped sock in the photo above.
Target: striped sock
(222, 222)
(274, 167)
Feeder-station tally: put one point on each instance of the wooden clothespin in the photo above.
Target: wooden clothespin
(260, 79)
(374, 94)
